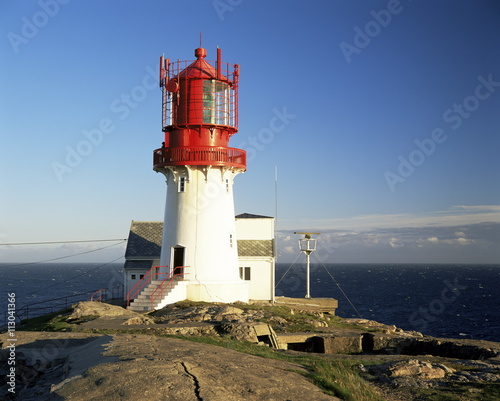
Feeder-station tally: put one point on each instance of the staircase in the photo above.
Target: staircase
(149, 294)
(143, 302)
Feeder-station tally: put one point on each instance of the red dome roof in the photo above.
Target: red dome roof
(200, 68)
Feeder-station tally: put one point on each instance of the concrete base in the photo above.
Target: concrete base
(177, 294)
(325, 305)
(225, 292)
(344, 342)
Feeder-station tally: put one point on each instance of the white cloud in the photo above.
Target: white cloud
(393, 242)
(478, 208)
(455, 216)
(450, 241)
(463, 241)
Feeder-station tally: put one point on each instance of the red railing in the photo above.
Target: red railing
(225, 112)
(200, 155)
(166, 284)
(143, 283)
(99, 295)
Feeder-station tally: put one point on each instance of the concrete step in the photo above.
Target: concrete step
(143, 301)
(139, 308)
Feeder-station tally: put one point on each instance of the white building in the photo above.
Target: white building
(256, 254)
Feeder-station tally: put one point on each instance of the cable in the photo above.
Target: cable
(63, 242)
(68, 256)
(341, 290)
(84, 273)
(282, 277)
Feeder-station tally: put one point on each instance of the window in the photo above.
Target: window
(141, 276)
(216, 102)
(245, 273)
(182, 184)
(208, 102)
(132, 276)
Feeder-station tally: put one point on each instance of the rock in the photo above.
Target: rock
(317, 323)
(240, 331)
(204, 329)
(279, 320)
(139, 320)
(414, 367)
(372, 324)
(98, 309)
(230, 310)
(227, 314)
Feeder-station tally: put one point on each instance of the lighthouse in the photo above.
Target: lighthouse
(200, 115)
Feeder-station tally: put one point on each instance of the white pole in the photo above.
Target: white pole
(308, 283)
(275, 242)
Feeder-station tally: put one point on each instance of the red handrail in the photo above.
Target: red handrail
(101, 292)
(167, 283)
(142, 283)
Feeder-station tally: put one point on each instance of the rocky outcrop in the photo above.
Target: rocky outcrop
(207, 313)
(414, 367)
(414, 374)
(141, 367)
(98, 309)
(139, 320)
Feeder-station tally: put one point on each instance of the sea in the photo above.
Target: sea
(441, 300)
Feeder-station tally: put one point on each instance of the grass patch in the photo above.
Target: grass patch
(51, 322)
(339, 323)
(83, 319)
(54, 322)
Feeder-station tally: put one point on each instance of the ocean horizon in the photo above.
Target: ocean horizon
(441, 300)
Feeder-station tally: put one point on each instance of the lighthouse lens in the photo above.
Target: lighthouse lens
(216, 102)
(208, 102)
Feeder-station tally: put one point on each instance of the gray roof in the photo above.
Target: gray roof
(144, 240)
(138, 264)
(255, 247)
(252, 216)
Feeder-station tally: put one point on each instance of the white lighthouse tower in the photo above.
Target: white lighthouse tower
(200, 114)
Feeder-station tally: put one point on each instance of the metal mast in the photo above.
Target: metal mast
(308, 246)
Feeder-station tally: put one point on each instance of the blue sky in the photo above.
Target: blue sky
(388, 144)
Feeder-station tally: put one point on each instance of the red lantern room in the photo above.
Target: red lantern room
(200, 113)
